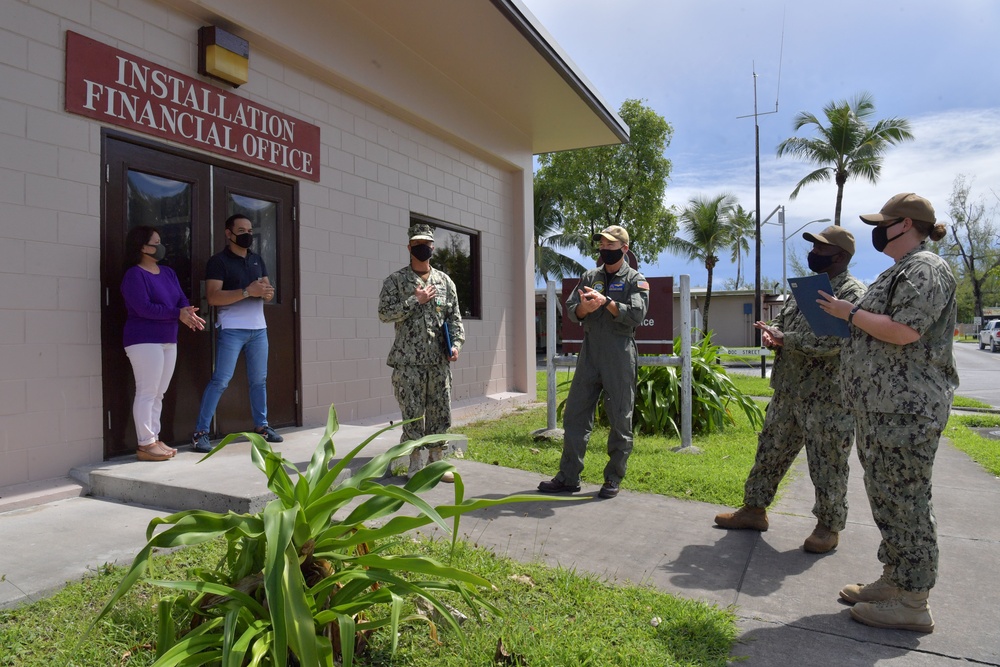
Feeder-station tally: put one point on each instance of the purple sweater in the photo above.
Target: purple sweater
(154, 303)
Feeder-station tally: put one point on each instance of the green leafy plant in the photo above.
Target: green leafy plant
(713, 396)
(298, 586)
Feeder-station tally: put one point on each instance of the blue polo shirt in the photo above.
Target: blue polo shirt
(237, 272)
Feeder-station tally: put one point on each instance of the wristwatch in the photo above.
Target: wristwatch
(246, 294)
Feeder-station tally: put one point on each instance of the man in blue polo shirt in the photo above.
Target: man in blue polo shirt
(236, 283)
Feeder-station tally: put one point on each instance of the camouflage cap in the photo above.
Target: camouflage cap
(612, 233)
(421, 232)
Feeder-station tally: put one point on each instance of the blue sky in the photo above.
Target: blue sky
(692, 61)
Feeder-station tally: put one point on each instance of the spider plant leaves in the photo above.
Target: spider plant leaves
(298, 581)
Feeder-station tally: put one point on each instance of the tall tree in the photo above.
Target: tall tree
(849, 146)
(549, 235)
(973, 242)
(617, 185)
(744, 225)
(707, 222)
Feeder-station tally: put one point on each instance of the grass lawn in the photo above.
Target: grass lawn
(965, 432)
(550, 616)
(715, 476)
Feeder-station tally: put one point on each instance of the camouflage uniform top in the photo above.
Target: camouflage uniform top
(419, 340)
(807, 365)
(918, 378)
(627, 287)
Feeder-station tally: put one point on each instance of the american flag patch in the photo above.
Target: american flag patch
(642, 284)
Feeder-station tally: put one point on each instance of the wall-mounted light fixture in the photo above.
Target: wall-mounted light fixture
(224, 56)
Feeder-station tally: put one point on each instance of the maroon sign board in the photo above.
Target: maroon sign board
(112, 86)
(655, 336)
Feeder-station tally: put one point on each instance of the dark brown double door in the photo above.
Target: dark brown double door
(188, 200)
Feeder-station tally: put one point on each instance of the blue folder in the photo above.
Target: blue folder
(447, 339)
(806, 290)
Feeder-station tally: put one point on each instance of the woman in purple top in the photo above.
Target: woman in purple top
(155, 304)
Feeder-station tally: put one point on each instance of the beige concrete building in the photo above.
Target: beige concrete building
(357, 117)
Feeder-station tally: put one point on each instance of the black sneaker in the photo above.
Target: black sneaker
(269, 434)
(555, 486)
(608, 490)
(201, 443)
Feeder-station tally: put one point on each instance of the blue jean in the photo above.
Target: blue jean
(229, 344)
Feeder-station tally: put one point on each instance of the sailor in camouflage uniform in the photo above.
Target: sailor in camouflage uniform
(610, 301)
(806, 409)
(419, 299)
(898, 375)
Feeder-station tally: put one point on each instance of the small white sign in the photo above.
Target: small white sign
(748, 351)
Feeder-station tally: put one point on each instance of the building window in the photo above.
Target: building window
(457, 253)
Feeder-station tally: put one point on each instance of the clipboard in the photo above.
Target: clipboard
(822, 323)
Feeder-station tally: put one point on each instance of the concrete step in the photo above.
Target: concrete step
(228, 480)
(30, 494)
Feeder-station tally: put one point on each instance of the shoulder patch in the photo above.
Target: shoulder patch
(643, 285)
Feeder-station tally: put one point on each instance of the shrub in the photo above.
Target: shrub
(713, 396)
(297, 586)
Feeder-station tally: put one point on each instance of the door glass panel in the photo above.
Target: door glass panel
(263, 215)
(165, 204)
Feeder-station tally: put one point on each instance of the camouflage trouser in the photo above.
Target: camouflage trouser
(826, 431)
(897, 452)
(423, 391)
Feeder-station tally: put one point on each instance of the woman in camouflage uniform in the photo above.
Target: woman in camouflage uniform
(898, 376)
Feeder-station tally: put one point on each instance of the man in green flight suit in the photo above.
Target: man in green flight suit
(610, 301)
(418, 299)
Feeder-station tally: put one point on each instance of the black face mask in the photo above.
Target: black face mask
(611, 256)
(819, 263)
(880, 235)
(243, 240)
(159, 252)
(421, 252)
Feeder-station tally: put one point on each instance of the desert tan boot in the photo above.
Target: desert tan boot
(746, 517)
(880, 589)
(906, 611)
(437, 454)
(822, 539)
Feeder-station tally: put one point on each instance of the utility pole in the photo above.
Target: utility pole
(757, 305)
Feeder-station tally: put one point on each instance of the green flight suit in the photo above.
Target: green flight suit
(607, 363)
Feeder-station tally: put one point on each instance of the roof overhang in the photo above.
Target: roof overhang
(468, 68)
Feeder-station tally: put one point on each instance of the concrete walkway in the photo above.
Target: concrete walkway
(786, 600)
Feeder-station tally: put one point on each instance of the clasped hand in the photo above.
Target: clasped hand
(191, 320)
(590, 300)
(261, 289)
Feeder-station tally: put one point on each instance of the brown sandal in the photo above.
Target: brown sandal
(151, 453)
(165, 447)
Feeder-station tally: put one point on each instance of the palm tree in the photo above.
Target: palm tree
(744, 224)
(549, 234)
(849, 147)
(707, 222)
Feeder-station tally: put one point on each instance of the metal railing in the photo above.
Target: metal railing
(683, 361)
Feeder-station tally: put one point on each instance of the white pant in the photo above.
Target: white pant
(152, 366)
